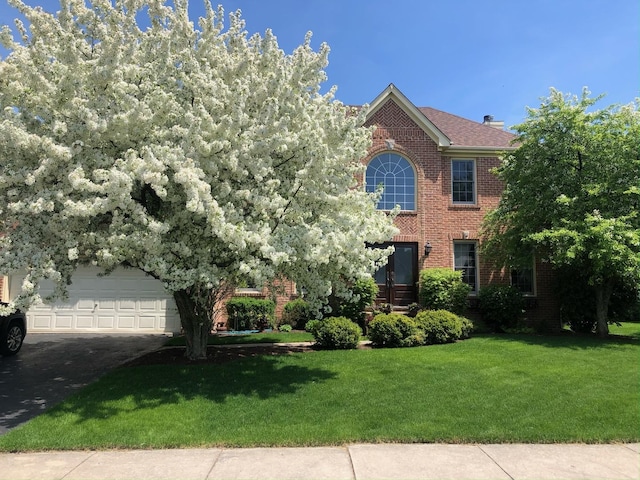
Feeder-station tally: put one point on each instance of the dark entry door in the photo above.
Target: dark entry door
(397, 280)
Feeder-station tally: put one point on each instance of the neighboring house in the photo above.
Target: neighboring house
(435, 165)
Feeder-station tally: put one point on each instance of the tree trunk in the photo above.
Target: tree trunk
(196, 323)
(603, 294)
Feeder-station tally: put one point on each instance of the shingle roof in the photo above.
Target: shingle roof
(466, 133)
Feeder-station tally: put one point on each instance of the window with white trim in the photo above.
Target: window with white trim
(463, 181)
(465, 260)
(397, 178)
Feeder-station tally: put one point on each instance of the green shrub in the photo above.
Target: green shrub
(393, 330)
(467, 327)
(247, 313)
(337, 333)
(364, 292)
(312, 326)
(501, 306)
(443, 289)
(440, 326)
(296, 313)
(285, 328)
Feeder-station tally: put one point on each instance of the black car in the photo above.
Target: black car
(13, 329)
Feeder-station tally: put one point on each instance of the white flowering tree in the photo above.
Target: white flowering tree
(201, 156)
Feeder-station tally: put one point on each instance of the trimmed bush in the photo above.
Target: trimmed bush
(440, 326)
(285, 328)
(337, 333)
(443, 289)
(296, 313)
(501, 306)
(393, 330)
(247, 313)
(427, 328)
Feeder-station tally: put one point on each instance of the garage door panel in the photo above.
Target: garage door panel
(127, 300)
(63, 321)
(107, 304)
(149, 305)
(148, 322)
(85, 304)
(106, 322)
(84, 322)
(42, 321)
(125, 304)
(126, 322)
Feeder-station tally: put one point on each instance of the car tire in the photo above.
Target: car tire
(11, 341)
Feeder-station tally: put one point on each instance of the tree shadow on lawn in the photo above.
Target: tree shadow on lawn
(153, 386)
(571, 340)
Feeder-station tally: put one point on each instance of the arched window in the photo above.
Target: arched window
(397, 178)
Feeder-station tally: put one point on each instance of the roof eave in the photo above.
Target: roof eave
(467, 149)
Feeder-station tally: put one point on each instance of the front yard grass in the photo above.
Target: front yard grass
(265, 337)
(506, 388)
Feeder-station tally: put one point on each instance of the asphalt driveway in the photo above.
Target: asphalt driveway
(50, 367)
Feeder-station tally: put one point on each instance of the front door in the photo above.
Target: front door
(397, 281)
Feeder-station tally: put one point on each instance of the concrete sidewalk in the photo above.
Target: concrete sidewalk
(385, 461)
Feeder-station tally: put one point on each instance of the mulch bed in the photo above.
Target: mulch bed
(216, 355)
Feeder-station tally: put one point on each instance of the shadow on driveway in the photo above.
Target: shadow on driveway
(50, 367)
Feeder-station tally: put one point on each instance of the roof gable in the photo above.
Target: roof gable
(391, 92)
(450, 132)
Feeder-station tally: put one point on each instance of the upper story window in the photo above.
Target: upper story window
(397, 178)
(463, 181)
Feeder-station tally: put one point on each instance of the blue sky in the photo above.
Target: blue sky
(466, 57)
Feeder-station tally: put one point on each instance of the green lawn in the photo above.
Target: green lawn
(627, 329)
(505, 388)
(267, 337)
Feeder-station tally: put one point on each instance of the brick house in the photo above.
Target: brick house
(435, 165)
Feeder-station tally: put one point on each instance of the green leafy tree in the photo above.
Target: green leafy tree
(571, 196)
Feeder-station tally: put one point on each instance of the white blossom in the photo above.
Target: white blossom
(196, 155)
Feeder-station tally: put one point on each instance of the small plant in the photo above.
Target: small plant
(337, 333)
(441, 326)
(296, 313)
(385, 308)
(285, 328)
(246, 313)
(413, 309)
(443, 289)
(501, 306)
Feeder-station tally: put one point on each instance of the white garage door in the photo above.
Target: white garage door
(125, 301)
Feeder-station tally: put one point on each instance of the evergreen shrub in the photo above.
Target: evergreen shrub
(393, 330)
(296, 313)
(337, 333)
(441, 326)
(443, 289)
(501, 306)
(247, 313)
